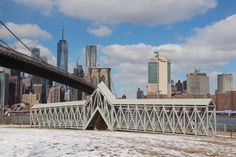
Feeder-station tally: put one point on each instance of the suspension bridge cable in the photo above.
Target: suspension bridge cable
(21, 41)
(5, 44)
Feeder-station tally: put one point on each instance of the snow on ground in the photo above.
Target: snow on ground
(31, 142)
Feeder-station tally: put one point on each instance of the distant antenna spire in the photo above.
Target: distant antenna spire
(62, 32)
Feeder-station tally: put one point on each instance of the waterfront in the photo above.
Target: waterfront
(226, 121)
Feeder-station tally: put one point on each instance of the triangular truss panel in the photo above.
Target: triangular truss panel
(175, 116)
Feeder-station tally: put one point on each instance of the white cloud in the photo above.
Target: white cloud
(148, 12)
(135, 53)
(213, 80)
(32, 31)
(202, 51)
(100, 31)
(220, 35)
(44, 51)
(213, 45)
(129, 65)
(44, 6)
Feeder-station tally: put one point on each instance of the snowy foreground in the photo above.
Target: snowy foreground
(28, 142)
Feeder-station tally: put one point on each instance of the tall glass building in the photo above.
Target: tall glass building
(62, 60)
(62, 53)
(159, 75)
(91, 56)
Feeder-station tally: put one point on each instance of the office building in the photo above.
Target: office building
(91, 56)
(44, 83)
(14, 86)
(78, 70)
(4, 90)
(159, 76)
(14, 90)
(185, 86)
(173, 88)
(26, 85)
(38, 82)
(56, 94)
(76, 94)
(36, 55)
(226, 101)
(224, 83)
(197, 83)
(140, 94)
(62, 53)
(179, 86)
(30, 99)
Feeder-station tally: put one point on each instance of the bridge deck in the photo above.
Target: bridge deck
(10, 58)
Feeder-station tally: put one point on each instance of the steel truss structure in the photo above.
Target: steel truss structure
(176, 116)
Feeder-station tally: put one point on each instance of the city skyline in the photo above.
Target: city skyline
(199, 34)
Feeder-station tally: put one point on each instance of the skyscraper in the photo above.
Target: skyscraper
(140, 94)
(44, 81)
(62, 53)
(76, 94)
(224, 83)
(197, 83)
(91, 56)
(78, 70)
(4, 90)
(159, 75)
(179, 86)
(14, 86)
(36, 80)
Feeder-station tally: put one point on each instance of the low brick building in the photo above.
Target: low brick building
(226, 101)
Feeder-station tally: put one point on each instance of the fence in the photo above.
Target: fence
(15, 119)
(226, 126)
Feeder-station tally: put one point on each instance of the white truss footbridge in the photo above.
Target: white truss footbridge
(177, 116)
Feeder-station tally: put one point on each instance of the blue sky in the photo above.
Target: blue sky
(193, 34)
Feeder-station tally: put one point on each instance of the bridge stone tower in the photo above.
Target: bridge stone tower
(97, 75)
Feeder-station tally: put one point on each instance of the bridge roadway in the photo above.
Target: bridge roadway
(10, 58)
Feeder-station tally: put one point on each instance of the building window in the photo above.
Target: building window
(152, 72)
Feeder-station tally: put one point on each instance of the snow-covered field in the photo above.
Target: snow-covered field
(28, 142)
